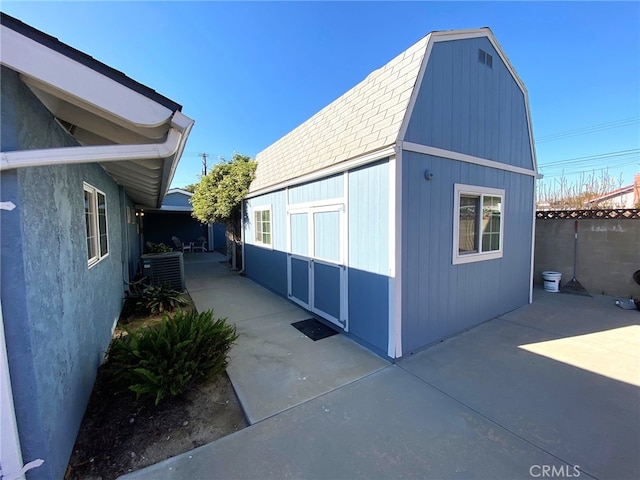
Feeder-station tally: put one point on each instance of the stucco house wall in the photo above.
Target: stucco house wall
(83, 146)
(58, 313)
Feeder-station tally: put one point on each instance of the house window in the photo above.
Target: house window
(262, 223)
(95, 216)
(478, 223)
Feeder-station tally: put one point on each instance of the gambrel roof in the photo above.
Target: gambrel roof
(366, 119)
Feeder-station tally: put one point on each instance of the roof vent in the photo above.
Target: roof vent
(484, 57)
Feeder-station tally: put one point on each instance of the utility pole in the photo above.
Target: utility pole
(204, 163)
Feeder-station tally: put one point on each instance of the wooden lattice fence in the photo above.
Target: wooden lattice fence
(612, 214)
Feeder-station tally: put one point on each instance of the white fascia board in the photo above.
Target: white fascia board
(416, 89)
(326, 172)
(91, 154)
(180, 190)
(463, 157)
(394, 337)
(183, 124)
(76, 82)
(533, 241)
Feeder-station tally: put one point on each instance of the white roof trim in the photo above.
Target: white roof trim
(327, 172)
(180, 190)
(74, 81)
(91, 154)
(463, 157)
(150, 135)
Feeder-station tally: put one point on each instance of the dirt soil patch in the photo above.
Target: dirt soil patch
(119, 434)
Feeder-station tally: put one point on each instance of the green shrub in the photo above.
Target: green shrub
(152, 300)
(157, 248)
(163, 361)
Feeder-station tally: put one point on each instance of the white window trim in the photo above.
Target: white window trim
(461, 189)
(256, 242)
(93, 191)
(310, 210)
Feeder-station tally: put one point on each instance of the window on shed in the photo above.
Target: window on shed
(262, 226)
(478, 223)
(95, 216)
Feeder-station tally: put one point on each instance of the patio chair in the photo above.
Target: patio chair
(200, 245)
(181, 247)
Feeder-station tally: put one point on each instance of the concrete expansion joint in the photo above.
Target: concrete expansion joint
(338, 387)
(524, 325)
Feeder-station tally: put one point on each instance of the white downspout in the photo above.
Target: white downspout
(11, 467)
(10, 453)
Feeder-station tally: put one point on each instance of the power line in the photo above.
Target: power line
(590, 129)
(590, 170)
(599, 156)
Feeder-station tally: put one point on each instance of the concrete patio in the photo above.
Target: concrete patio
(554, 384)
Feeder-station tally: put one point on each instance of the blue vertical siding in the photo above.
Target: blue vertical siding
(369, 218)
(368, 275)
(369, 308)
(440, 299)
(267, 266)
(219, 237)
(277, 200)
(327, 236)
(324, 189)
(300, 234)
(176, 199)
(465, 106)
(326, 280)
(300, 279)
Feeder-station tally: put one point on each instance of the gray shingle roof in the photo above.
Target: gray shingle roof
(365, 119)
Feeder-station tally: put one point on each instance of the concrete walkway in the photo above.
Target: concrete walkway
(551, 385)
(273, 367)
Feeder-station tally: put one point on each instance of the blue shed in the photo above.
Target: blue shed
(174, 218)
(403, 212)
(84, 147)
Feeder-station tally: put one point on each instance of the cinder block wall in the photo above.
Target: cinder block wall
(608, 253)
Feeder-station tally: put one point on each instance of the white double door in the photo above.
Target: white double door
(317, 271)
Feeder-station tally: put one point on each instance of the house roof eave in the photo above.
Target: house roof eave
(134, 133)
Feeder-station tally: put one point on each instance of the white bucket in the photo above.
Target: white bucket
(552, 281)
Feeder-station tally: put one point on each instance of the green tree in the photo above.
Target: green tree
(191, 187)
(218, 197)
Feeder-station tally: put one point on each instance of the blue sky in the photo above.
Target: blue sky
(250, 72)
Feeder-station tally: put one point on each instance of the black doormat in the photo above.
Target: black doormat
(314, 329)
